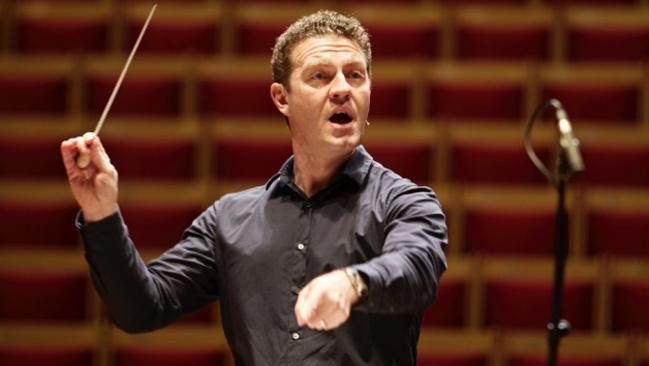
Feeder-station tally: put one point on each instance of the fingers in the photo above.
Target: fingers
(87, 147)
(321, 305)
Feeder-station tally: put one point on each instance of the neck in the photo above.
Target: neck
(312, 172)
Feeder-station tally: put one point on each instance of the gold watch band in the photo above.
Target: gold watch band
(358, 283)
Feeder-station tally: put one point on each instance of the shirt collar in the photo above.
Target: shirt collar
(356, 168)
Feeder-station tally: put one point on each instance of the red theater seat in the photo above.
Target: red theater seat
(615, 164)
(618, 232)
(158, 225)
(608, 42)
(495, 163)
(33, 93)
(249, 159)
(592, 2)
(153, 158)
(176, 36)
(390, 99)
(590, 95)
(222, 96)
(525, 303)
(448, 309)
(462, 97)
(509, 230)
(139, 95)
(507, 34)
(423, 39)
(629, 304)
(29, 295)
(31, 158)
(410, 160)
(35, 355)
(52, 31)
(565, 360)
(167, 356)
(451, 359)
(54, 228)
(255, 37)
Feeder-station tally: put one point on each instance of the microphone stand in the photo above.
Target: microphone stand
(558, 328)
(566, 167)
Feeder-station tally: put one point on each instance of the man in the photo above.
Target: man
(331, 262)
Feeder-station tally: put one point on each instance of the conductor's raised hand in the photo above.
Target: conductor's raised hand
(95, 186)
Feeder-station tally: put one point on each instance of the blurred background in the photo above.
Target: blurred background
(454, 84)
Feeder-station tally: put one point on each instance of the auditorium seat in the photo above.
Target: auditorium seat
(175, 345)
(43, 354)
(495, 163)
(610, 163)
(592, 3)
(589, 95)
(616, 231)
(569, 360)
(476, 93)
(34, 90)
(577, 349)
(43, 295)
(255, 35)
(629, 304)
(525, 303)
(448, 310)
(153, 158)
(391, 100)
(411, 160)
(158, 225)
(164, 356)
(525, 231)
(248, 159)
(220, 96)
(44, 224)
(60, 29)
(451, 359)
(147, 94)
(176, 31)
(607, 35)
(422, 32)
(511, 34)
(35, 157)
(485, 2)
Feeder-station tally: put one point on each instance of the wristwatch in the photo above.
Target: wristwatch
(358, 283)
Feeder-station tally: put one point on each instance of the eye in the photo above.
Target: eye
(357, 75)
(318, 75)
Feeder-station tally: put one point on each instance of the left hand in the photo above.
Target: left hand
(326, 301)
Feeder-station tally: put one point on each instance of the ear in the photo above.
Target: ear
(278, 94)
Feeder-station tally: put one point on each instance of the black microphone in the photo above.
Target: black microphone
(569, 144)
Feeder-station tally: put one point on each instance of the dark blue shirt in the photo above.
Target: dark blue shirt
(255, 249)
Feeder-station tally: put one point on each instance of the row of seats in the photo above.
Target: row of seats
(599, 296)
(541, 33)
(431, 156)
(218, 89)
(205, 346)
(604, 223)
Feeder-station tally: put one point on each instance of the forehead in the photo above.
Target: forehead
(326, 48)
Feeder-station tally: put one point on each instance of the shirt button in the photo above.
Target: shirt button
(295, 336)
(300, 246)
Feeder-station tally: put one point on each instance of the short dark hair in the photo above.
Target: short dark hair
(320, 23)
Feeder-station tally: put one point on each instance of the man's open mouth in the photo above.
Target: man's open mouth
(340, 118)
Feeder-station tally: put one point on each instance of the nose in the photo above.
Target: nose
(340, 89)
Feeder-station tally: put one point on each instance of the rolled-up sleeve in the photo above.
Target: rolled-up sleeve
(405, 277)
(142, 297)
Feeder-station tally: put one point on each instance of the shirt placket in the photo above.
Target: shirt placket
(300, 252)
